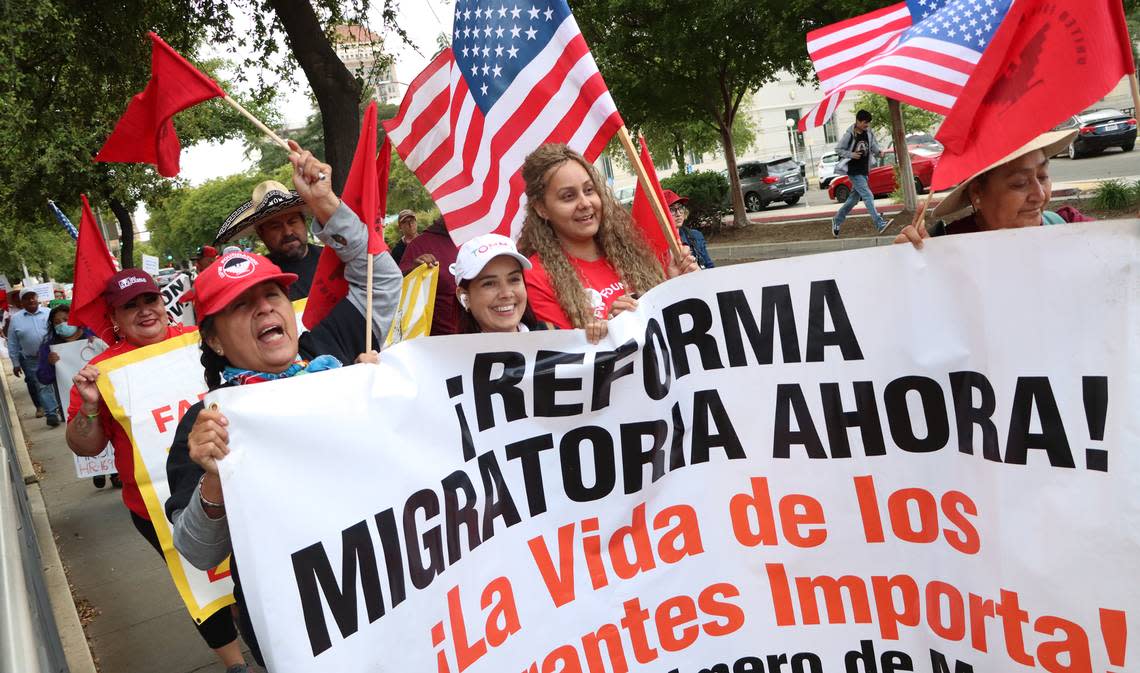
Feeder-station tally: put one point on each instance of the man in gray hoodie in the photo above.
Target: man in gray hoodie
(855, 149)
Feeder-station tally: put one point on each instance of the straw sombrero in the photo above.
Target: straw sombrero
(269, 198)
(1052, 142)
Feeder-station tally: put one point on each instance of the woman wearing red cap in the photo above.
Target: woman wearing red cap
(138, 319)
(249, 335)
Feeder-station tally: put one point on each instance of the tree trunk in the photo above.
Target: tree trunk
(739, 218)
(126, 232)
(337, 91)
(902, 158)
(679, 152)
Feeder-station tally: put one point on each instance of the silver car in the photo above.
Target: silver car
(764, 182)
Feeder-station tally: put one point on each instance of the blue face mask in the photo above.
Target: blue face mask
(65, 331)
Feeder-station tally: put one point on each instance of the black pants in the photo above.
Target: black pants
(218, 630)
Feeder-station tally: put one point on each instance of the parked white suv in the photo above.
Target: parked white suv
(826, 169)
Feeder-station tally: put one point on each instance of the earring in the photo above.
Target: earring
(220, 352)
(115, 329)
(463, 301)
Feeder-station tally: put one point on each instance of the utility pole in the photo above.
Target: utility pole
(902, 156)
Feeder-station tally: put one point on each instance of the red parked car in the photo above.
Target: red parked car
(882, 178)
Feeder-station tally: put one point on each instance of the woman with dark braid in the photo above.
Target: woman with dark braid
(589, 259)
(249, 335)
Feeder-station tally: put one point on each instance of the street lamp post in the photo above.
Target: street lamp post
(791, 123)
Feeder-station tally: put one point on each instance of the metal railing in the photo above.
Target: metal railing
(29, 638)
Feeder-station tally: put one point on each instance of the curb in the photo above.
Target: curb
(728, 253)
(891, 209)
(71, 634)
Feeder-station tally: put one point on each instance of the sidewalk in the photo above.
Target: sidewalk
(140, 625)
(805, 213)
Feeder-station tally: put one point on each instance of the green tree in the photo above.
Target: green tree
(678, 61)
(915, 120)
(189, 217)
(67, 70)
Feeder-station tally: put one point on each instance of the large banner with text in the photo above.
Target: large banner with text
(870, 461)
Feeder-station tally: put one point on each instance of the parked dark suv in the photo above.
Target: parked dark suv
(763, 182)
(1098, 130)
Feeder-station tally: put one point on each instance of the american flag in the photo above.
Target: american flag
(63, 220)
(919, 51)
(516, 76)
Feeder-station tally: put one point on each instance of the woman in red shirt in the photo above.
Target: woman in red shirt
(139, 319)
(590, 261)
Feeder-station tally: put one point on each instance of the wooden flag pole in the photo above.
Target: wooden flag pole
(1134, 84)
(257, 122)
(368, 307)
(643, 180)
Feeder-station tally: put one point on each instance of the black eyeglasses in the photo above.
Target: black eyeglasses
(677, 208)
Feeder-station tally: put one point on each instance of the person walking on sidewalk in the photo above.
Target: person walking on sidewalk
(855, 149)
(26, 332)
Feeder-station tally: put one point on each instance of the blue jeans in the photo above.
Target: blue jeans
(45, 395)
(860, 190)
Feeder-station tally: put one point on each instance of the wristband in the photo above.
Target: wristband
(204, 501)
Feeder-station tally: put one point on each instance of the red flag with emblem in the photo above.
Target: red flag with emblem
(145, 132)
(94, 265)
(366, 193)
(1049, 60)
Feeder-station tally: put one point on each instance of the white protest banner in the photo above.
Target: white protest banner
(415, 311)
(172, 295)
(148, 391)
(876, 460)
(150, 264)
(72, 356)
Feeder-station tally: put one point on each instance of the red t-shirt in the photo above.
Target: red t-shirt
(124, 452)
(601, 282)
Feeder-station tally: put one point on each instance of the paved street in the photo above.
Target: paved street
(1112, 164)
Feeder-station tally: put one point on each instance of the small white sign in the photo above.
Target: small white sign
(4, 284)
(150, 264)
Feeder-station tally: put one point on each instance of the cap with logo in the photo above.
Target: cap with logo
(128, 284)
(232, 274)
(476, 253)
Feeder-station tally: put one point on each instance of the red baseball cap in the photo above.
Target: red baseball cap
(126, 285)
(671, 197)
(232, 274)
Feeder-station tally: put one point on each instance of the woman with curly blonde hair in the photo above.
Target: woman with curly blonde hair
(590, 260)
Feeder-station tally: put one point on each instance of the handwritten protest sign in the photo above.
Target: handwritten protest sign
(148, 391)
(877, 460)
(72, 357)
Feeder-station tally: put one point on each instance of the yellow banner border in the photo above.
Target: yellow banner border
(142, 476)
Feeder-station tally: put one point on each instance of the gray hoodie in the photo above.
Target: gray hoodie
(846, 146)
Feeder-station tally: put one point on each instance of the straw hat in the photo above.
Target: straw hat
(1052, 142)
(270, 198)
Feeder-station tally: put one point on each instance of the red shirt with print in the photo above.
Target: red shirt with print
(598, 277)
(124, 452)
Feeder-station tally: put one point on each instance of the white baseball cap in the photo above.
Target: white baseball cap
(476, 253)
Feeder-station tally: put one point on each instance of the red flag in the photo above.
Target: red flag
(145, 132)
(366, 193)
(643, 210)
(94, 265)
(1049, 59)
